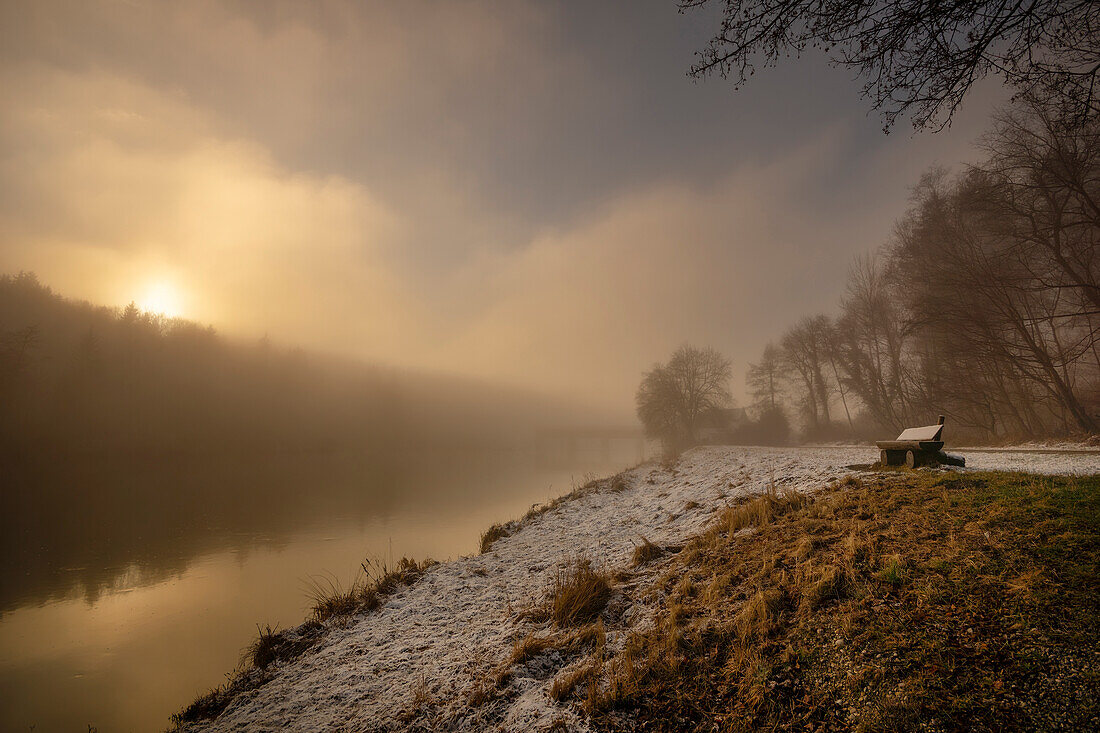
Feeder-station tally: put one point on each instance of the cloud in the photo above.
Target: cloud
(114, 184)
(598, 303)
(524, 192)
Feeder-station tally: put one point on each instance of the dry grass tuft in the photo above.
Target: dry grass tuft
(804, 548)
(893, 570)
(822, 585)
(269, 647)
(591, 636)
(645, 552)
(564, 684)
(420, 698)
(494, 533)
(264, 650)
(580, 592)
(479, 694)
(761, 510)
(207, 706)
(529, 647)
(272, 645)
(330, 601)
(760, 614)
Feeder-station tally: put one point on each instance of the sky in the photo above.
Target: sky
(528, 192)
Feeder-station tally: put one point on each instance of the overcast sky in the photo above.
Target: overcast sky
(530, 192)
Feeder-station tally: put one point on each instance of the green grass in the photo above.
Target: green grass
(944, 601)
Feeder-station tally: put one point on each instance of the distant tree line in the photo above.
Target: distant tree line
(984, 307)
(79, 378)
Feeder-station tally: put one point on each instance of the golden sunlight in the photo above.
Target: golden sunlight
(161, 296)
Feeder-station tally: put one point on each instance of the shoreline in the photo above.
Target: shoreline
(419, 656)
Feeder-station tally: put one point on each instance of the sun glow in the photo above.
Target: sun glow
(161, 297)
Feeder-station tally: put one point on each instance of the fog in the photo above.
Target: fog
(296, 296)
(534, 195)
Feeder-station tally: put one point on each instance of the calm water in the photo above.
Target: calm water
(126, 590)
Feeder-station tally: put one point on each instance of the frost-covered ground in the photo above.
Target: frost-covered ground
(412, 663)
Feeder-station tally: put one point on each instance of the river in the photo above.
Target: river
(128, 588)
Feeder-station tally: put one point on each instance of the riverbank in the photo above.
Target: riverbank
(435, 654)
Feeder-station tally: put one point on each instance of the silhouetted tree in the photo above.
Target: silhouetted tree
(917, 57)
(673, 396)
(974, 282)
(805, 350)
(765, 379)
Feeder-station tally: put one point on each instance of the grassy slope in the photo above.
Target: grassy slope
(905, 600)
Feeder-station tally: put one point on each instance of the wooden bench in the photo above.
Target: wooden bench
(914, 447)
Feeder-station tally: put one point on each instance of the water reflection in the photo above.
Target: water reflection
(143, 590)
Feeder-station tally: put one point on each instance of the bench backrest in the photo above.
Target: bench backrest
(929, 432)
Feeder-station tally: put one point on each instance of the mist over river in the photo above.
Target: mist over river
(127, 588)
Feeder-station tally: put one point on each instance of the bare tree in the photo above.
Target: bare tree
(805, 350)
(920, 58)
(765, 379)
(978, 287)
(673, 396)
(1046, 181)
(871, 337)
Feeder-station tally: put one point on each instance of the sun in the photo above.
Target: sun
(162, 297)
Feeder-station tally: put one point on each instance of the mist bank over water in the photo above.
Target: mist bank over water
(76, 378)
(131, 443)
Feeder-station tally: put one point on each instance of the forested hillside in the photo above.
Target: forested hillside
(75, 377)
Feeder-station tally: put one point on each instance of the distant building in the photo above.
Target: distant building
(717, 425)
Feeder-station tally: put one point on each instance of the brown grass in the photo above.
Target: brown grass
(366, 593)
(272, 645)
(952, 601)
(494, 533)
(616, 483)
(207, 706)
(329, 599)
(479, 694)
(269, 647)
(419, 699)
(529, 647)
(580, 592)
(591, 636)
(645, 553)
(761, 510)
(563, 685)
